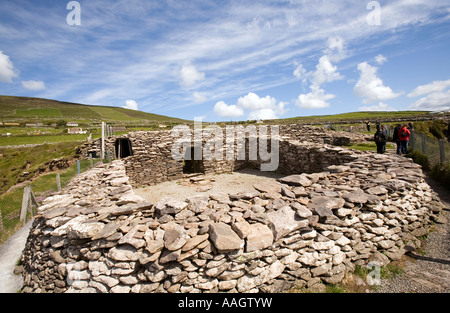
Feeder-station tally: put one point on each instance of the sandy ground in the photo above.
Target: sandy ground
(231, 183)
(10, 253)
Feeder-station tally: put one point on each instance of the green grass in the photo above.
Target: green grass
(24, 109)
(15, 161)
(346, 117)
(45, 185)
(368, 146)
(41, 139)
(39, 113)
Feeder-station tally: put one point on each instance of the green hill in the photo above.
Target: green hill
(23, 109)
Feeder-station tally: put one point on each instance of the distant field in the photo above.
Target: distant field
(33, 109)
(24, 140)
(345, 117)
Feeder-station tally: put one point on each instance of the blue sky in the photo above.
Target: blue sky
(230, 60)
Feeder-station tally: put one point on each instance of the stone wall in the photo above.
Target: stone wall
(152, 162)
(97, 236)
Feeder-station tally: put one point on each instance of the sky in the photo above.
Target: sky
(229, 60)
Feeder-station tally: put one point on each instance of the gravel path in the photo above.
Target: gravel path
(10, 253)
(427, 272)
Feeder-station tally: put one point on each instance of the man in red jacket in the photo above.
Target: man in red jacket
(403, 136)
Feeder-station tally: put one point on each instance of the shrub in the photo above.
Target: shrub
(441, 172)
(420, 158)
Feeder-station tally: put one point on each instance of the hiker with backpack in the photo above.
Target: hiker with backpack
(403, 136)
(395, 137)
(380, 139)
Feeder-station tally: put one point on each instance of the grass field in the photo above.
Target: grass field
(45, 185)
(35, 109)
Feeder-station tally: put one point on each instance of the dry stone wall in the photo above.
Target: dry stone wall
(97, 236)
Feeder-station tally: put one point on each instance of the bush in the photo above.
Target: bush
(441, 172)
(420, 158)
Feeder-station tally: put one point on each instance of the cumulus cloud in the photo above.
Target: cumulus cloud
(325, 72)
(34, 85)
(377, 107)
(316, 99)
(7, 71)
(437, 97)
(228, 111)
(370, 86)
(380, 59)
(436, 86)
(299, 72)
(264, 108)
(189, 75)
(131, 104)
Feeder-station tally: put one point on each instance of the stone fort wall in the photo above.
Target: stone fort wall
(336, 209)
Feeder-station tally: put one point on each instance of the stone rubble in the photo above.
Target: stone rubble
(97, 236)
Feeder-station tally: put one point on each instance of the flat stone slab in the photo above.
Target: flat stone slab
(224, 238)
(284, 221)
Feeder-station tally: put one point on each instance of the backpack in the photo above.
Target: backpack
(378, 138)
(404, 133)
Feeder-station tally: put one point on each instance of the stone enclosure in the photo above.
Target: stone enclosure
(335, 209)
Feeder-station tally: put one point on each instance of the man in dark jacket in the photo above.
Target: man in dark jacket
(395, 137)
(380, 139)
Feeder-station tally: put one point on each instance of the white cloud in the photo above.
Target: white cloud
(190, 75)
(131, 104)
(370, 86)
(325, 72)
(259, 108)
(336, 49)
(380, 59)
(300, 72)
(7, 71)
(436, 86)
(377, 107)
(436, 99)
(34, 85)
(316, 99)
(229, 111)
(199, 97)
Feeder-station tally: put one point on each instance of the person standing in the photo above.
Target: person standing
(395, 137)
(403, 136)
(380, 139)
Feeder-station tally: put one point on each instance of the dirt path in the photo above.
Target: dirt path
(426, 270)
(10, 253)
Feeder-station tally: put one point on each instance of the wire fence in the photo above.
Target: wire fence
(437, 151)
(20, 204)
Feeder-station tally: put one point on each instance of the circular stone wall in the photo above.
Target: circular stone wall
(98, 236)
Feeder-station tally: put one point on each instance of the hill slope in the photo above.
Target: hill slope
(24, 109)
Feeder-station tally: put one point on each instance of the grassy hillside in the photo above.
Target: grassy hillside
(33, 109)
(355, 116)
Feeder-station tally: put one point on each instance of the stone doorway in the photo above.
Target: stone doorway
(191, 166)
(123, 148)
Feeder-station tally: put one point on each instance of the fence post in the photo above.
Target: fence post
(424, 143)
(78, 167)
(442, 150)
(25, 204)
(58, 182)
(91, 162)
(412, 141)
(1, 221)
(103, 141)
